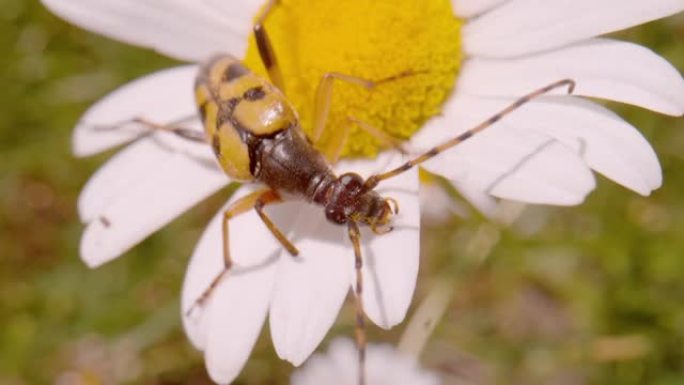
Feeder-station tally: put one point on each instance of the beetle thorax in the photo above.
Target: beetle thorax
(348, 200)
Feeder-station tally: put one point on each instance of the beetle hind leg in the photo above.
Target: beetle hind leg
(256, 200)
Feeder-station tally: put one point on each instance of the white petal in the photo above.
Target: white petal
(390, 261)
(506, 160)
(471, 8)
(526, 26)
(384, 365)
(128, 198)
(605, 142)
(608, 144)
(234, 321)
(124, 170)
(253, 250)
(239, 16)
(482, 201)
(560, 170)
(437, 205)
(163, 97)
(311, 287)
(133, 165)
(602, 68)
(182, 29)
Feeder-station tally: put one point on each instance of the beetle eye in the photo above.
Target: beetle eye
(351, 181)
(336, 216)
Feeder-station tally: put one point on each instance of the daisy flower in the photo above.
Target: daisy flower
(385, 366)
(469, 59)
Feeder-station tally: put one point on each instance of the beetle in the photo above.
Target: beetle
(256, 136)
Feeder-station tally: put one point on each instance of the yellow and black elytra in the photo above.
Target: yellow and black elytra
(256, 136)
(239, 110)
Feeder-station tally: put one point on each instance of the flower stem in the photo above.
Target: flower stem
(426, 318)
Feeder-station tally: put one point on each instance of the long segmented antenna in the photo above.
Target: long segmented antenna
(374, 180)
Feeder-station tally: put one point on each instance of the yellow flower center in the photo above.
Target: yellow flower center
(372, 40)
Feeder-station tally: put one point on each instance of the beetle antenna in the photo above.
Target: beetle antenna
(373, 180)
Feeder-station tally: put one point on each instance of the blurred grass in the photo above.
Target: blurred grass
(584, 295)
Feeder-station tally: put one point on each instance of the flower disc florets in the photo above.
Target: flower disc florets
(373, 40)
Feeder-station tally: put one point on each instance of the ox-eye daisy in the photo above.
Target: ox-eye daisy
(469, 58)
(386, 366)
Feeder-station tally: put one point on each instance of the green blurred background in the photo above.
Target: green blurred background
(586, 295)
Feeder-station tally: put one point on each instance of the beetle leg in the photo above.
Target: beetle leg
(183, 132)
(265, 47)
(266, 198)
(257, 200)
(173, 127)
(332, 150)
(361, 340)
(324, 93)
(380, 135)
(238, 207)
(323, 99)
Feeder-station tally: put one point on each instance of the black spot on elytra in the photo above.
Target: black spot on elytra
(203, 110)
(231, 103)
(234, 71)
(254, 93)
(225, 112)
(216, 144)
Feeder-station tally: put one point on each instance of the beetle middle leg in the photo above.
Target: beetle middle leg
(323, 101)
(270, 197)
(256, 200)
(378, 134)
(333, 148)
